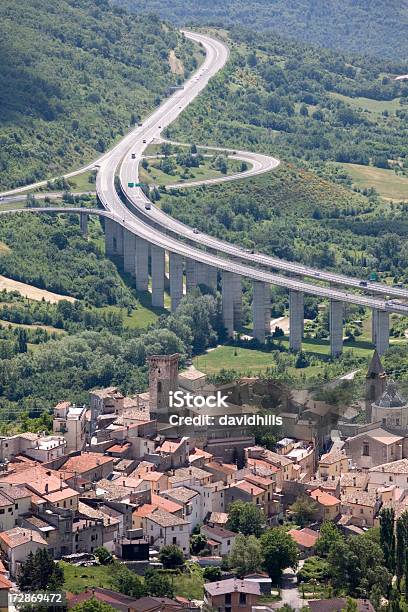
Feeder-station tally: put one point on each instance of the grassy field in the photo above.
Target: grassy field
(257, 361)
(154, 176)
(142, 316)
(78, 578)
(81, 182)
(48, 328)
(373, 106)
(388, 184)
(12, 205)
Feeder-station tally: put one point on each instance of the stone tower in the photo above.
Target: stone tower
(376, 381)
(163, 374)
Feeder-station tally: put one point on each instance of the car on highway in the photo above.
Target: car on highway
(133, 155)
(196, 230)
(363, 283)
(144, 140)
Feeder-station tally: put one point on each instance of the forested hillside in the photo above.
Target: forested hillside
(316, 115)
(74, 74)
(295, 100)
(364, 26)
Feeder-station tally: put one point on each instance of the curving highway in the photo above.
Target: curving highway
(132, 210)
(157, 228)
(216, 56)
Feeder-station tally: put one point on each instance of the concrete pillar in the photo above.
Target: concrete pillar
(83, 224)
(374, 325)
(212, 277)
(200, 273)
(191, 275)
(176, 280)
(237, 301)
(296, 320)
(157, 254)
(228, 301)
(261, 310)
(142, 264)
(205, 275)
(336, 328)
(118, 239)
(381, 330)
(110, 243)
(129, 252)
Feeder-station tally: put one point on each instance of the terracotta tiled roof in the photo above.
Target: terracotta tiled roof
(83, 463)
(169, 446)
(218, 532)
(144, 510)
(181, 494)
(57, 496)
(166, 519)
(248, 487)
(166, 504)
(304, 537)
(394, 467)
(361, 498)
(332, 457)
(4, 583)
(20, 537)
(323, 498)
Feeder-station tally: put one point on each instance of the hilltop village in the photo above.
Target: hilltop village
(116, 474)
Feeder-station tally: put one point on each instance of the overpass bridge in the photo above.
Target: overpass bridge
(142, 235)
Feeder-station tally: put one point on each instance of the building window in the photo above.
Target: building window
(242, 599)
(366, 449)
(228, 599)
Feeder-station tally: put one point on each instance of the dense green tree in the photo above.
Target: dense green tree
(197, 543)
(40, 573)
(212, 574)
(171, 556)
(279, 551)
(128, 583)
(246, 518)
(358, 564)
(329, 536)
(246, 555)
(387, 537)
(103, 555)
(304, 510)
(158, 584)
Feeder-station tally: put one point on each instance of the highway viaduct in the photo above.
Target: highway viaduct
(143, 255)
(142, 236)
